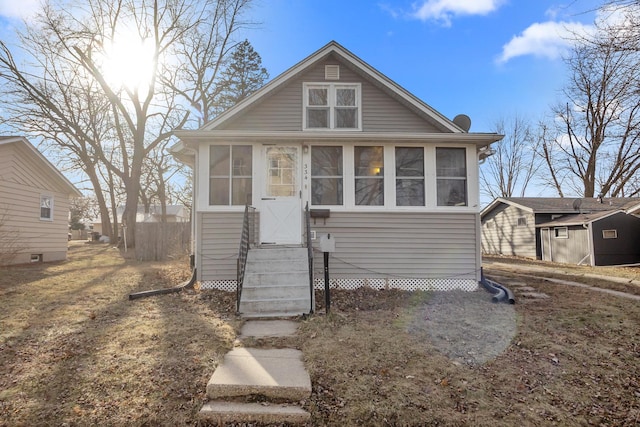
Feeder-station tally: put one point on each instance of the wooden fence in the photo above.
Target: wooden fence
(157, 241)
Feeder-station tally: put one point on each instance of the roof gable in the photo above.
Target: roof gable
(308, 67)
(31, 168)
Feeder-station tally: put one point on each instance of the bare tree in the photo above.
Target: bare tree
(623, 22)
(70, 49)
(547, 152)
(597, 143)
(510, 170)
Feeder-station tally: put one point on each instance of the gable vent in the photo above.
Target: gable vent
(332, 72)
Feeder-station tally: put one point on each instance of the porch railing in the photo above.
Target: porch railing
(307, 216)
(245, 243)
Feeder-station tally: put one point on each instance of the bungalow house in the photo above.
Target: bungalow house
(561, 229)
(34, 205)
(388, 181)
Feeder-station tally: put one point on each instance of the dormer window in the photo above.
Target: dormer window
(331, 106)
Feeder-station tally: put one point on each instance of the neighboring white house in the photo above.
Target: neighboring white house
(34, 202)
(174, 213)
(393, 181)
(562, 229)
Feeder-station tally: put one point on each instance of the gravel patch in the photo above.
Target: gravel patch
(465, 326)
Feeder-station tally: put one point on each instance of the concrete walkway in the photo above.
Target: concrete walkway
(538, 272)
(278, 375)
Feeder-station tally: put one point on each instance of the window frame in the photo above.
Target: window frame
(340, 179)
(521, 222)
(613, 234)
(380, 176)
(332, 106)
(230, 176)
(390, 195)
(422, 178)
(464, 179)
(49, 198)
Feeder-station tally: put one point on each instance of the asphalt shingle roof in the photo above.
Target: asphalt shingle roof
(567, 205)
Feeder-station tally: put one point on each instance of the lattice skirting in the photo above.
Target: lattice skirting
(378, 284)
(223, 285)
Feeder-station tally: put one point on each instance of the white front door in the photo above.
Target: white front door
(281, 205)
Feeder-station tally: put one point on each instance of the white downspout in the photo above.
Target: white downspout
(590, 245)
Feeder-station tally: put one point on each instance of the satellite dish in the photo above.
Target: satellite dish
(577, 203)
(463, 122)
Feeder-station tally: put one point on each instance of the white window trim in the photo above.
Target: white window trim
(390, 177)
(201, 183)
(472, 183)
(524, 220)
(50, 197)
(394, 177)
(610, 234)
(309, 177)
(230, 176)
(331, 89)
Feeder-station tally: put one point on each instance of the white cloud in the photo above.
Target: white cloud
(444, 10)
(546, 40)
(22, 9)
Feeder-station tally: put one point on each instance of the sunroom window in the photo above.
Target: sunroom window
(332, 106)
(369, 176)
(451, 172)
(230, 175)
(409, 176)
(326, 175)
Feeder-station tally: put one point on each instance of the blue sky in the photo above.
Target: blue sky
(484, 58)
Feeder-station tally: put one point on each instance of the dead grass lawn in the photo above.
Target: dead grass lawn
(75, 351)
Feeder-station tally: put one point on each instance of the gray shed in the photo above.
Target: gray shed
(599, 238)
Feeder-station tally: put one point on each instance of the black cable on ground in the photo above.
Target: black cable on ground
(186, 285)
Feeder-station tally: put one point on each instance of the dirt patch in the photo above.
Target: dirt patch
(465, 326)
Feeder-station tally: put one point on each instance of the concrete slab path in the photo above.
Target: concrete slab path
(276, 373)
(268, 328)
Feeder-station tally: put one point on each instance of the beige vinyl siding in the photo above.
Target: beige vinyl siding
(218, 242)
(368, 245)
(23, 179)
(282, 111)
(36, 236)
(402, 245)
(505, 237)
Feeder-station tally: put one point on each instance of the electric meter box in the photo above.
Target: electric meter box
(327, 243)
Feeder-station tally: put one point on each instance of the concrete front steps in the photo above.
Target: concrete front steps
(276, 283)
(278, 376)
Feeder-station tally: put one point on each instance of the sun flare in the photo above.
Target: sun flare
(128, 62)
